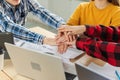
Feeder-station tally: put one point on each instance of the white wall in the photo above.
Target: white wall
(43, 3)
(63, 8)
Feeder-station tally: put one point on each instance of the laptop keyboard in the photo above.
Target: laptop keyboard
(69, 76)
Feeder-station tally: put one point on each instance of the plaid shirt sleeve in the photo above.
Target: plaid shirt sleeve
(106, 48)
(45, 15)
(103, 33)
(18, 31)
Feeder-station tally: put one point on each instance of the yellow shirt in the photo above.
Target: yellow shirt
(87, 14)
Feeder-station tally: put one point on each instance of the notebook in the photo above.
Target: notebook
(36, 65)
(86, 73)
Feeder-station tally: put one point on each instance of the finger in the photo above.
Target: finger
(68, 43)
(65, 48)
(74, 37)
(61, 28)
(60, 48)
(60, 33)
(70, 38)
(65, 29)
(66, 36)
(70, 46)
(57, 39)
(58, 36)
(69, 33)
(61, 40)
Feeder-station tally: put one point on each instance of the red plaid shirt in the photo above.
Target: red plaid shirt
(103, 43)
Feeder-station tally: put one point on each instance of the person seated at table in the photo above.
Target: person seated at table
(102, 42)
(12, 19)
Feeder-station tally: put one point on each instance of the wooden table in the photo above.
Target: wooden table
(9, 73)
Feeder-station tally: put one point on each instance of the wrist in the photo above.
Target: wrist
(44, 40)
(83, 28)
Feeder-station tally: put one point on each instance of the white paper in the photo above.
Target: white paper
(107, 70)
(69, 66)
(69, 54)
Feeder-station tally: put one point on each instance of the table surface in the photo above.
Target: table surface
(9, 73)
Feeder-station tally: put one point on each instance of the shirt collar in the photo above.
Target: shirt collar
(8, 6)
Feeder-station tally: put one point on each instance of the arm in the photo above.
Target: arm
(104, 33)
(18, 31)
(115, 17)
(47, 17)
(107, 51)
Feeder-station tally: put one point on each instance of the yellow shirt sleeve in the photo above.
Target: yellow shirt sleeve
(75, 17)
(115, 20)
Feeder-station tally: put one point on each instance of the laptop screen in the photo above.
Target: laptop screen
(85, 73)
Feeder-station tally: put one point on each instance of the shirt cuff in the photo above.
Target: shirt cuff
(80, 43)
(40, 41)
(61, 23)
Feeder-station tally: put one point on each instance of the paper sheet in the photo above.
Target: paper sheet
(71, 53)
(107, 70)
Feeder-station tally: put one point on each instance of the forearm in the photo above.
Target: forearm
(49, 41)
(19, 31)
(107, 51)
(104, 33)
(46, 16)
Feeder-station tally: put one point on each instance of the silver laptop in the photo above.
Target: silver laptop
(35, 65)
(86, 73)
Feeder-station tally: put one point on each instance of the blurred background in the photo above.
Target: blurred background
(63, 8)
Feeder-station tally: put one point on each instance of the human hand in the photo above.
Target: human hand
(60, 39)
(72, 30)
(62, 48)
(49, 41)
(62, 33)
(63, 43)
(71, 43)
(64, 40)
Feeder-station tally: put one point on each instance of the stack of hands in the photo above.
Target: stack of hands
(66, 37)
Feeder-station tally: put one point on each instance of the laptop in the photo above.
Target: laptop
(86, 73)
(36, 65)
(5, 37)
